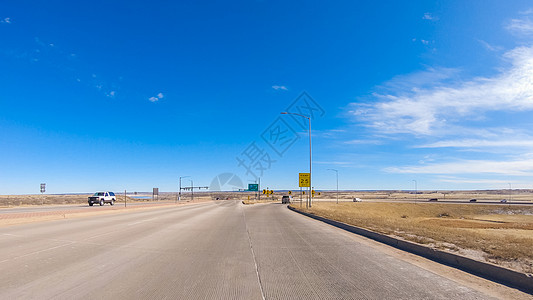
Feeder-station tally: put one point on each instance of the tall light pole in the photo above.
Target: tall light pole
(192, 190)
(416, 190)
(179, 193)
(310, 152)
(337, 173)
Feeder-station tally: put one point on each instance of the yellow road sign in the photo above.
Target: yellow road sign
(290, 193)
(303, 193)
(305, 179)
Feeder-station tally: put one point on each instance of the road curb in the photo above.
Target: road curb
(521, 281)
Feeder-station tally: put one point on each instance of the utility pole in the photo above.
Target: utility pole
(416, 189)
(192, 187)
(179, 192)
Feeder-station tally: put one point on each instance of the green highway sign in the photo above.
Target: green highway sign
(253, 187)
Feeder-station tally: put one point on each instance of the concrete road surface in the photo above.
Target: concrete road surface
(213, 250)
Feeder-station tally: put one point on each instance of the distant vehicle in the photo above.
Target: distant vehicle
(503, 201)
(102, 198)
(433, 199)
(286, 199)
(357, 200)
(473, 200)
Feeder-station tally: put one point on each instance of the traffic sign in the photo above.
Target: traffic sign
(305, 180)
(290, 192)
(303, 193)
(253, 187)
(313, 192)
(264, 192)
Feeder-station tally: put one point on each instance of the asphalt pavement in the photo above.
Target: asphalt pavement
(212, 250)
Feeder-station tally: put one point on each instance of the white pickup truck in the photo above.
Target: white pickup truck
(102, 198)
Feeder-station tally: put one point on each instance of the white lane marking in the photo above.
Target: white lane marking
(142, 221)
(253, 254)
(36, 252)
(10, 234)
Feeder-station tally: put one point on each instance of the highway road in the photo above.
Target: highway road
(212, 250)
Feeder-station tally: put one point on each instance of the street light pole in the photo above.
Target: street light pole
(310, 151)
(192, 190)
(337, 173)
(416, 190)
(179, 193)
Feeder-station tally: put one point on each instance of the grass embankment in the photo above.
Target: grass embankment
(499, 234)
(21, 200)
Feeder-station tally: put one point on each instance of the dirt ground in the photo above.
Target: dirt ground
(501, 234)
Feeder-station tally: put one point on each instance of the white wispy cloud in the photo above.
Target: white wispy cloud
(474, 181)
(425, 79)
(156, 98)
(523, 26)
(425, 110)
(337, 163)
(527, 12)
(280, 87)
(489, 46)
(521, 167)
(479, 143)
(6, 21)
(364, 142)
(428, 16)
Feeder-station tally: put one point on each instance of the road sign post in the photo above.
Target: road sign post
(300, 197)
(305, 181)
(155, 194)
(43, 190)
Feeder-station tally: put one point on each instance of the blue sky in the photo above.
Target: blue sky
(114, 95)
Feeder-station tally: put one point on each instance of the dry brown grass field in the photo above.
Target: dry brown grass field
(501, 234)
(486, 195)
(23, 200)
